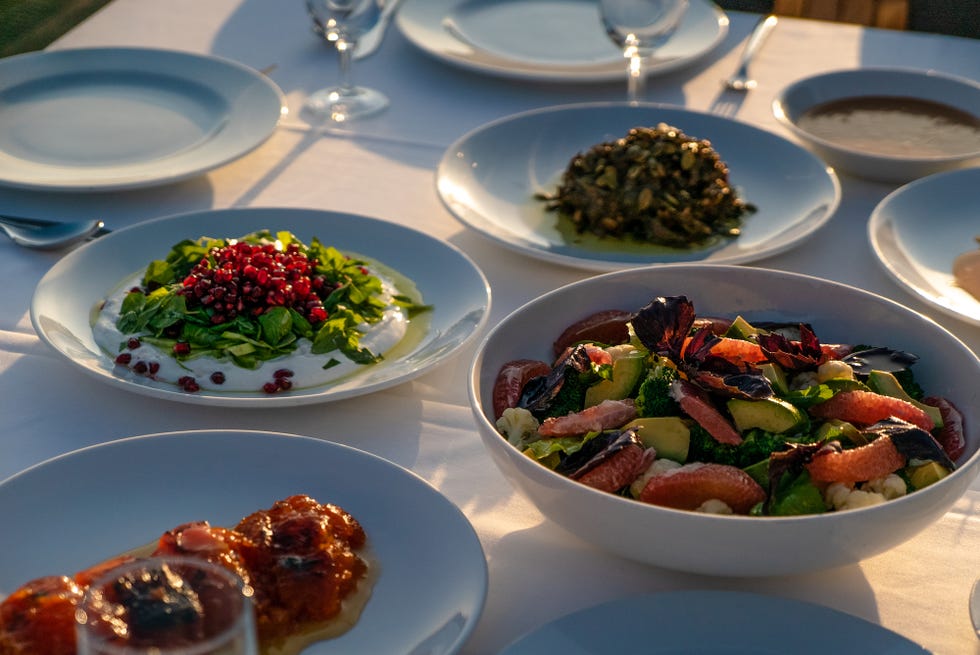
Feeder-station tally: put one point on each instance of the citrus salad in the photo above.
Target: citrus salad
(262, 312)
(726, 416)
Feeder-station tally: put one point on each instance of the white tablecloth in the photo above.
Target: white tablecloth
(384, 167)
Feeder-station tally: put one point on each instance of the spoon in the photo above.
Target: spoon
(49, 235)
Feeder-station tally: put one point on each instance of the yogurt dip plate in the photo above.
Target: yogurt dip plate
(67, 300)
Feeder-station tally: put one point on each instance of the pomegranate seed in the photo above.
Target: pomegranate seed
(154, 368)
(282, 373)
(140, 367)
(270, 387)
(182, 348)
(133, 343)
(124, 359)
(285, 384)
(218, 377)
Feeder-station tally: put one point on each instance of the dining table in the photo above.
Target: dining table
(384, 166)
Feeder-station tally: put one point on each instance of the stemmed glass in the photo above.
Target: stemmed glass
(343, 22)
(166, 606)
(640, 27)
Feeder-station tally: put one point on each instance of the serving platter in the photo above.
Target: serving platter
(699, 622)
(919, 229)
(546, 40)
(100, 119)
(63, 302)
(122, 495)
(488, 179)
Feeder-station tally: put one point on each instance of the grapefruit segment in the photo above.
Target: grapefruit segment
(691, 485)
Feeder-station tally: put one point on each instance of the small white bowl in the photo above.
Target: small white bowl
(802, 95)
(733, 545)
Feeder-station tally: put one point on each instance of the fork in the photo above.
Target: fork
(741, 80)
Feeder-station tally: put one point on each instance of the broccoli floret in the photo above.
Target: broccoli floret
(653, 396)
(756, 446)
(906, 378)
(571, 397)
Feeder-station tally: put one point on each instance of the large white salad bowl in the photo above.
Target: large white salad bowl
(733, 545)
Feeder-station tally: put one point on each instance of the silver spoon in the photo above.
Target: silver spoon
(741, 80)
(49, 235)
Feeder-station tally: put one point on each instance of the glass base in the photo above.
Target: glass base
(340, 105)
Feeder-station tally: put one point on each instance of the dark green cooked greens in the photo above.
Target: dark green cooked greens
(656, 185)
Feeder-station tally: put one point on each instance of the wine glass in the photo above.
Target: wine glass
(342, 23)
(166, 606)
(640, 27)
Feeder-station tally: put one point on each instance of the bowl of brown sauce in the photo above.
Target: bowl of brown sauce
(885, 124)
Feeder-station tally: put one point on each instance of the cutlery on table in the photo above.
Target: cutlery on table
(49, 235)
(373, 38)
(741, 80)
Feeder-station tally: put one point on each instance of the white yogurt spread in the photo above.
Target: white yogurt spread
(307, 368)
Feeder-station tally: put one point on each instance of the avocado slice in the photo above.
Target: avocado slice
(886, 384)
(836, 429)
(926, 474)
(741, 329)
(770, 414)
(628, 366)
(670, 436)
(776, 376)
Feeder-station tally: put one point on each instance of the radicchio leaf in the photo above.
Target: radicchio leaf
(541, 391)
(718, 374)
(792, 355)
(663, 324)
(910, 440)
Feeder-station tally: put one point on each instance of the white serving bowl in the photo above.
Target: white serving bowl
(733, 545)
(804, 94)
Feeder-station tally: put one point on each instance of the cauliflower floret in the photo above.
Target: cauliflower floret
(891, 486)
(715, 506)
(834, 369)
(841, 496)
(657, 467)
(516, 423)
(803, 380)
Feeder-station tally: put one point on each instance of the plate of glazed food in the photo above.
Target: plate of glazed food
(363, 558)
(98, 119)
(247, 307)
(703, 622)
(604, 186)
(546, 40)
(933, 253)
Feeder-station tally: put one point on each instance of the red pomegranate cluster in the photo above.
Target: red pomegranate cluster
(249, 279)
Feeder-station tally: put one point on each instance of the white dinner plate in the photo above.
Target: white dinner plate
(546, 40)
(488, 179)
(711, 623)
(447, 279)
(919, 229)
(78, 509)
(115, 118)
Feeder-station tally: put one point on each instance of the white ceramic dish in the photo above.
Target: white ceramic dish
(798, 97)
(545, 40)
(733, 545)
(446, 278)
(708, 623)
(115, 118)
(919, 229)
(75, 510)
(488, 179)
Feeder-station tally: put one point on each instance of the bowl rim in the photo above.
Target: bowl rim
(968, 466)
(779, 104)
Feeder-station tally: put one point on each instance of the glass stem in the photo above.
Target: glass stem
(636, 79)
(345, 49)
